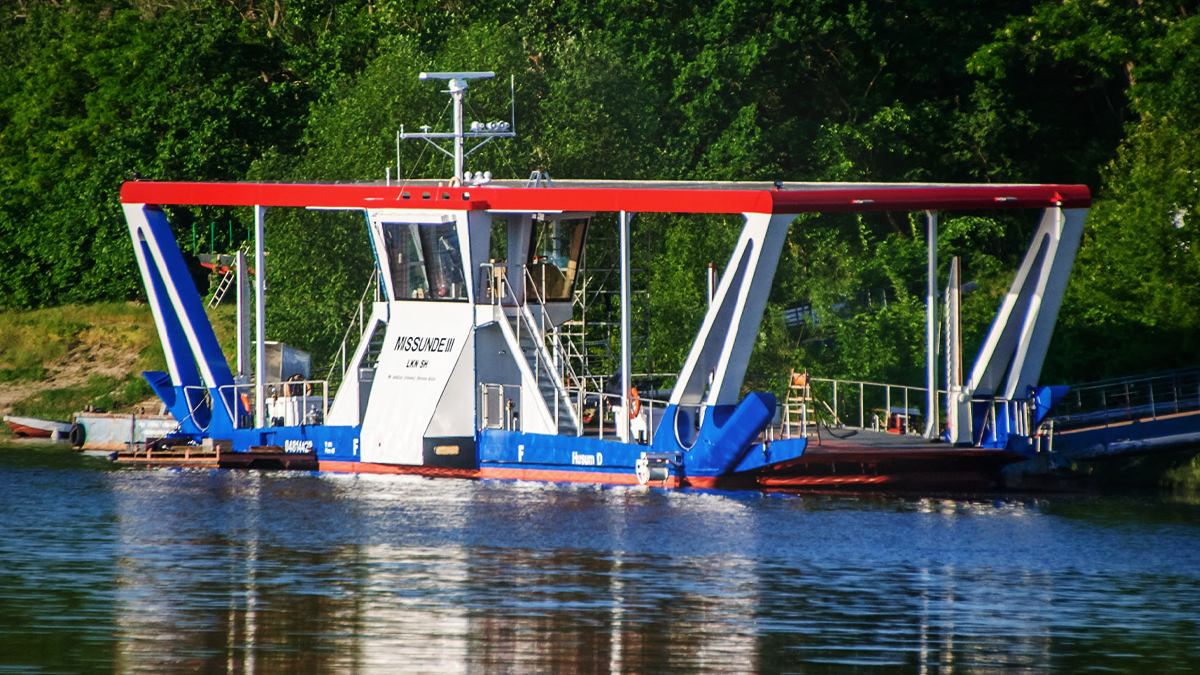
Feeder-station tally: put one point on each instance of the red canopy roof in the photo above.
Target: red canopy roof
(644, 197)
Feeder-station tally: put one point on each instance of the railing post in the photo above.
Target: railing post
(835, 405)
(997, 408)
(861, 404)
(1175, 391)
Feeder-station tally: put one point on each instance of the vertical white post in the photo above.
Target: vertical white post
(243, 318)
(623, 423)
(931, 402)
(457, 89)
(712, 282)
(260, 321)
(957, 411)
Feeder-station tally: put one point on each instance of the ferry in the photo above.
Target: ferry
(460, 368)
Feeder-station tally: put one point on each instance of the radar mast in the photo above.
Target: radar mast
(486, 131)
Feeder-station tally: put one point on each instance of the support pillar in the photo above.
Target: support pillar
(243, 319)
(931, 402)
(260, 327)
(626, 359)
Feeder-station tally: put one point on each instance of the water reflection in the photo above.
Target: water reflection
(205, 571)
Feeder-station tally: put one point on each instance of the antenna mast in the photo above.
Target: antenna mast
(487, 131)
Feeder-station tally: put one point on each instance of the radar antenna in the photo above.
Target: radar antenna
(483, 130)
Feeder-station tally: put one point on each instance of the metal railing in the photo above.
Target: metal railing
(848, 401)
(1018, 416)
(197, 397)
(1127, 399)
(337, 369)
(498, 409)
(550, 356)
(291, 403)
(501, 405)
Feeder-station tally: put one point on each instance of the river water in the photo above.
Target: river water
(185, 571)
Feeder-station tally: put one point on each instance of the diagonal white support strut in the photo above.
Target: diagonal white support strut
(1012, 355)
(722, 348)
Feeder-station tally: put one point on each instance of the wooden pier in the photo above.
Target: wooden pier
(217, 455)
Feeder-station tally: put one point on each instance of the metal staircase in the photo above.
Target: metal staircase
(547, 357)
(558, 401)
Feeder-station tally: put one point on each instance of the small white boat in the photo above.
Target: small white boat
(32, 427)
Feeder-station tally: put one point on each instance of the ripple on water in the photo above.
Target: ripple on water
(198, 570)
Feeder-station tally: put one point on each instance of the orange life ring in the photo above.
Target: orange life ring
(635, 403)
(245, 402)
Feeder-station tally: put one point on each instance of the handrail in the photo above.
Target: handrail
(556, 343)
(606, 404)
(501, 289)
(193, 408)
(861, 387)
(304, 386)
(1122, 399)
(510, 416)
(355, 320)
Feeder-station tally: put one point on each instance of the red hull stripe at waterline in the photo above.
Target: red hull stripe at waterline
(368, 467)
(543, 475)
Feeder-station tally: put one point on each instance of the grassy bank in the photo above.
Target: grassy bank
(1184, 480)
(54, 362)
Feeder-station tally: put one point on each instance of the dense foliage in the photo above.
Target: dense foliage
(94, 92)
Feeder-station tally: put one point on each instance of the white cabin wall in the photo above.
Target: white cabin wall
(455, 412)
(410, 384)
(494, 362)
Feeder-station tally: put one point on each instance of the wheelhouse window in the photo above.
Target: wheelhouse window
(554, 256)
(425, 261)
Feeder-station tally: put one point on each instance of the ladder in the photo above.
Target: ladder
(798, 419)
(227, 280)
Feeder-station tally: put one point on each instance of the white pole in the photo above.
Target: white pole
(931, 405)
(954, 407)
(623, 423)
(243, 317)
(712, 282)
(457, 89)
(260, 328)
